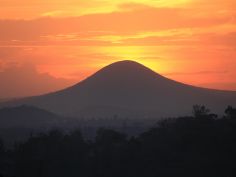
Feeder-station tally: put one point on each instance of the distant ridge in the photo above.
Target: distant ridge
(27, 117)
(127, 88)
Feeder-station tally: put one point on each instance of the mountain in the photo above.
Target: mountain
(127, 88)
(26, 117)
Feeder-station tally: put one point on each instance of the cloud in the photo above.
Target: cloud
(179, 38)
(24, 80)
(58, 61)
(86, 28)
(133, 6)
(197, 73)
(166, 35)
(27, 9)
(220, 85)
(228, 39)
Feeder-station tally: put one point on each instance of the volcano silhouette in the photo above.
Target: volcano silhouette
(127, 88)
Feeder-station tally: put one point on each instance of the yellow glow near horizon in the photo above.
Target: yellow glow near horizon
(139, 54)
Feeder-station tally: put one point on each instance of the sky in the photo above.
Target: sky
(47, 45)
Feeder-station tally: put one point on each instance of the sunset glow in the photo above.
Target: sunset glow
(191, 41)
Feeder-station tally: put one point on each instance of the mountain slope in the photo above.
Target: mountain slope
(27, 117)
(128, 88)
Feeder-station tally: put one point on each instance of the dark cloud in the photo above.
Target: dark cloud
(19, 81)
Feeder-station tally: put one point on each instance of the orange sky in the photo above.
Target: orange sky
(46, 45)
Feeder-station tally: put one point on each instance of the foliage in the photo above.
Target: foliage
(186, 146)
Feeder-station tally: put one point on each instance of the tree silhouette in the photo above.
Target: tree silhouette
(1, 157)
(200, 111)
(230, 112)
(174, 147)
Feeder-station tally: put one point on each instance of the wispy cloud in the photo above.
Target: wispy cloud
(89, 29)
(196, 73)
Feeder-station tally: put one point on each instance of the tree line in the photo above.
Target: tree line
(191, 146)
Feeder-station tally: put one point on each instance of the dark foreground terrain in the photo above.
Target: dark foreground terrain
(202, 145)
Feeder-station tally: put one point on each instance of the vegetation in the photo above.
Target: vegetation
(201, 145)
